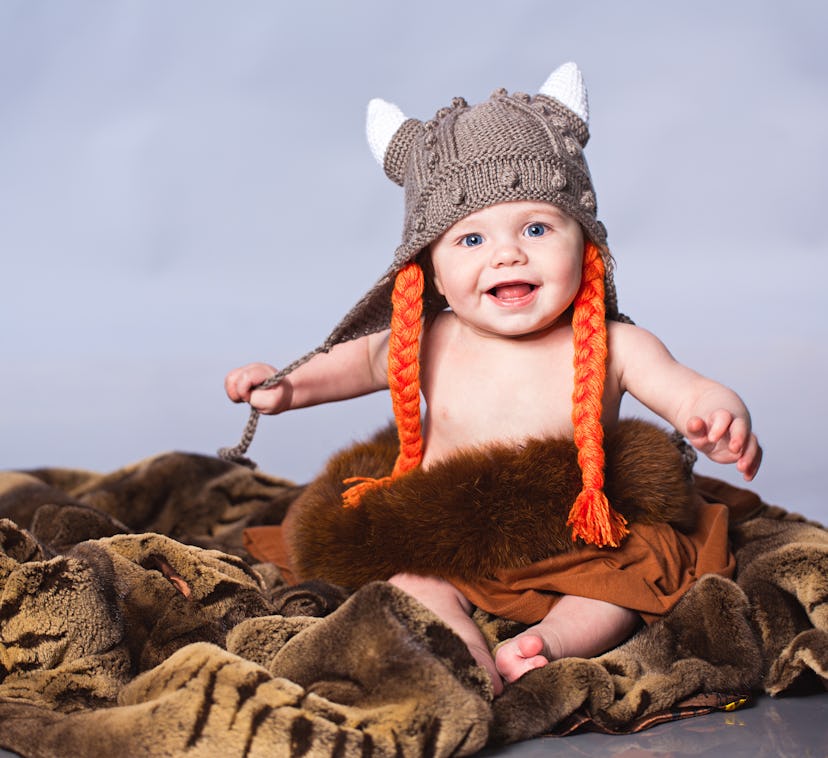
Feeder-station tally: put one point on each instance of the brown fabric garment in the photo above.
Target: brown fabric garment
(654, 567)
(741, 504)
(267, 544)
(520, 594)
(479, 510)
(492, 521)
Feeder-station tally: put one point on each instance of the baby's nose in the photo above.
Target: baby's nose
(508, 254)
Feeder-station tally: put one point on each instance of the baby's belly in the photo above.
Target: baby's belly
(443, 440)
(447, 435)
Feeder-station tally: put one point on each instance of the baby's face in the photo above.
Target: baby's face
(511, 269)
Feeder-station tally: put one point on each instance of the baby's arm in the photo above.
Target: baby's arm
(350, 369)
(712, 417)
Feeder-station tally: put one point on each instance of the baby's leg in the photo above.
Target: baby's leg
(447, 602)
(576, 626)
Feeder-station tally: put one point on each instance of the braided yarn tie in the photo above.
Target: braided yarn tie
(237, 453)
(591, 517)
(403, 381)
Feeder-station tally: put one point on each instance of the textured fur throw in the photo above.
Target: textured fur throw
(119, 641)
(481, 510)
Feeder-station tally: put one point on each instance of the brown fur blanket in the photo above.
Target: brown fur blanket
(132, 622)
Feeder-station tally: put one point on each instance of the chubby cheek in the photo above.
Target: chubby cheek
(452, 282)
(426, 262)
(575, 283)
(432, 268)
(438, 282)
(570, 275)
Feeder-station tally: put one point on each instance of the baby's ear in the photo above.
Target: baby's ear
(390, 137)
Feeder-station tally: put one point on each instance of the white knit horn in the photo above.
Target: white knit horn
(381, 125)
(566, 85)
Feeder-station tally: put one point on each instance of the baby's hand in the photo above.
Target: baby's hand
(726, 438)
(240, 386)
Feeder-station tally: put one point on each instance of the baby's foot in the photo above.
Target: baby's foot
(520, 654)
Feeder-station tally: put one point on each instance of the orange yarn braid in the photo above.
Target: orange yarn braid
(591, 517)
(403, 380)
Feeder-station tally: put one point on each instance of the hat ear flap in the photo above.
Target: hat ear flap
(390, 137)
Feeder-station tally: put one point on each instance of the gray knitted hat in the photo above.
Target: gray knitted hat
(510, 147)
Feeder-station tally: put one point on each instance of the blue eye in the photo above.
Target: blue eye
(471, 240)
(535, 230)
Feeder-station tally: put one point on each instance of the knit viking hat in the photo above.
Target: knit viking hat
(510, 147)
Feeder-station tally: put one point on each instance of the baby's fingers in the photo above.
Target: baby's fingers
(739, 434)
(751, 459)
(720, 422)
(234, 388)
(240, 383)
(696, 431)
(273, 399)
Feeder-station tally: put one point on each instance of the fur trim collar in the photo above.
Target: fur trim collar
(480, 510)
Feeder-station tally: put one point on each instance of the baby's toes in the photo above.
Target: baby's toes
(519, 655)
(529, 645)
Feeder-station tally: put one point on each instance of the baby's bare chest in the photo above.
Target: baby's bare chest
(479, 396)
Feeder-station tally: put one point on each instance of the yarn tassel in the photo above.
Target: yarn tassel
(359, 485)
(595, 521)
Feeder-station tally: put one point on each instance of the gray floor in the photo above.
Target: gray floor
(794, 727)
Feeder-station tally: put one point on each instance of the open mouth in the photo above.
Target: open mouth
(512, 292)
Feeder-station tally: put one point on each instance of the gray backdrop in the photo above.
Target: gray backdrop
(185, 187)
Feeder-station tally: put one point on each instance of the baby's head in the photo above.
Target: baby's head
(510, 147)
(470, 158)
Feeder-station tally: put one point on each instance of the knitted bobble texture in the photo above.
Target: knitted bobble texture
(403, 380)
(591, 517)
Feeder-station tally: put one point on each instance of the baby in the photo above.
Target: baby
(501, 229)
